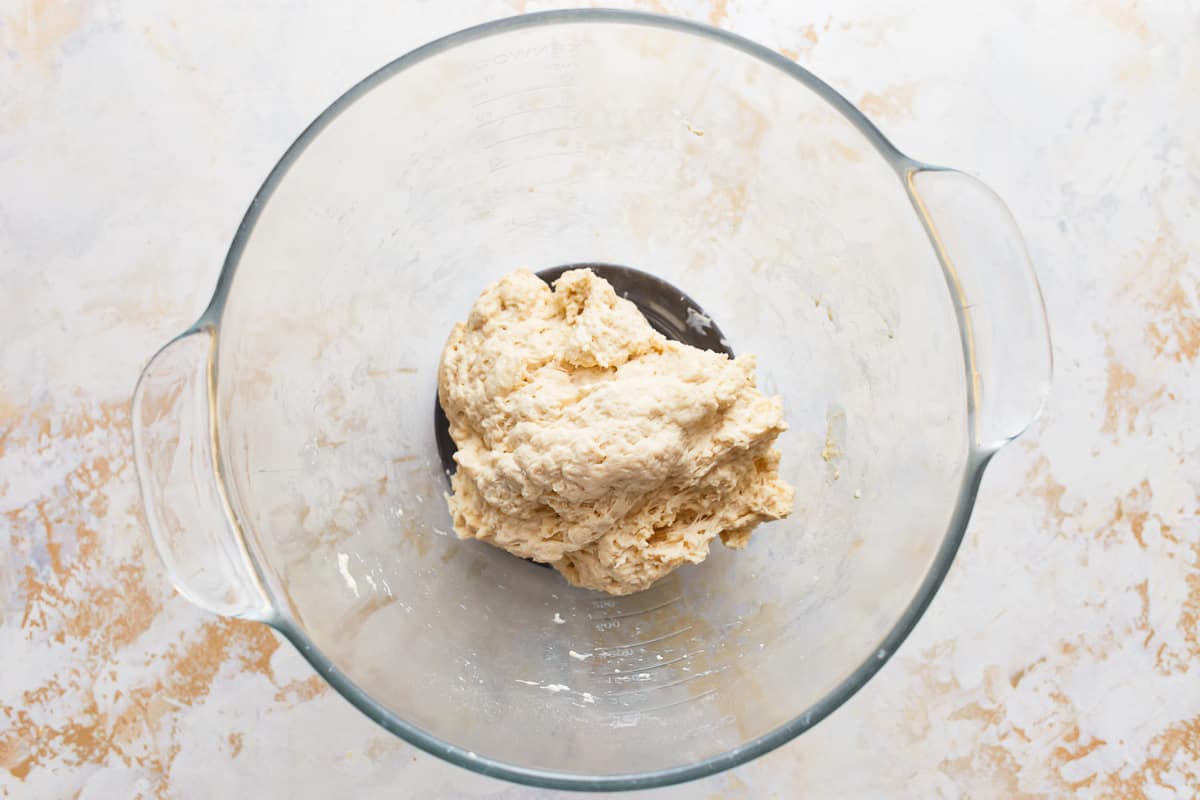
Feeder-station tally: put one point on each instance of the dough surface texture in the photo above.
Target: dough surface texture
(590, 442)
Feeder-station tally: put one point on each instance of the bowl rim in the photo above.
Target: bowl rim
(976, 460)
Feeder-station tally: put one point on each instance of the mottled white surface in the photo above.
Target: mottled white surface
(1063, 653)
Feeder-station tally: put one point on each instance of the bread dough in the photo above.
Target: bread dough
(590, 442)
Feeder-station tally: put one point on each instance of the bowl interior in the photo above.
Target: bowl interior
(655, 146)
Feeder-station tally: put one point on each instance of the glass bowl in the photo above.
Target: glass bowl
(286, 446)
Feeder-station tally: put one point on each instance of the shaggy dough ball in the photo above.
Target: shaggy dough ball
(590, 442)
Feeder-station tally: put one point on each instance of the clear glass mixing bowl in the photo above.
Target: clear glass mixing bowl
(286, 447)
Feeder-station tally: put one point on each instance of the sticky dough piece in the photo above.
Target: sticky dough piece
(590, 442)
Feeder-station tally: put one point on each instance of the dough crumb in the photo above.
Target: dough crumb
(590, 442)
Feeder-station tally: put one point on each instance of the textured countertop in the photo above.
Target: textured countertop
(1063, 653)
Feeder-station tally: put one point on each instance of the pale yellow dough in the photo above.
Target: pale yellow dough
(590, 442)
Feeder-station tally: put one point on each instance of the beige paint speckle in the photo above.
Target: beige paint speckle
(1119, 403)
(35, 30)
(889, 103)
(718, 11)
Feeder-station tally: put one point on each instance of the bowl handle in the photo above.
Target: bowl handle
(1005, 336)
(174, 443)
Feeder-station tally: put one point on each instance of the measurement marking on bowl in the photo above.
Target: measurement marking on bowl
(635, 612)
(526, 135)
(631, 677)
(668, 685)
(500, 193)
(644, 642)
(564, 107)
(512, 227)
(515, 162)
(656, 664)
(518, 92)
(627, 711)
